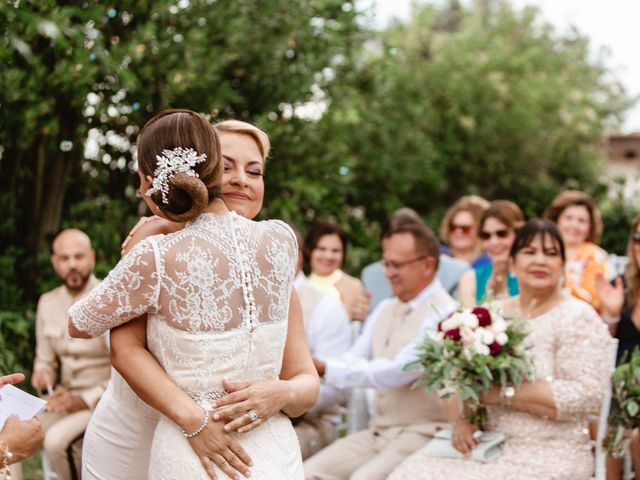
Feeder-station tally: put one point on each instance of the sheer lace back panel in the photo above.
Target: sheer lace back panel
(216, 294)
(223, 273)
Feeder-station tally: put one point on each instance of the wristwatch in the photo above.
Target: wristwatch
(507, 396)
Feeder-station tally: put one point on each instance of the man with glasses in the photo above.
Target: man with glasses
(404, 419)
(449, 269)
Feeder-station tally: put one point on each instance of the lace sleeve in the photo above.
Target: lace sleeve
(582, 363)
(286, 234)
(129, 290)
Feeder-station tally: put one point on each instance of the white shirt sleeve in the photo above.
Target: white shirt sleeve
(329, 335)
(357, 369)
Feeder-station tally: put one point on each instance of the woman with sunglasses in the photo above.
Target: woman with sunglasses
(621, 310)
(498, 228)
(459, 230)
(580, 225)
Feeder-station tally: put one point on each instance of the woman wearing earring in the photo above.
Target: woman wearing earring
(498, 228)
(544, 420)
(580, 224)
(621, 310)
(205, 263)
(459, 230)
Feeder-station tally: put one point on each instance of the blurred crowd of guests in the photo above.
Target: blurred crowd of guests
(363, 332)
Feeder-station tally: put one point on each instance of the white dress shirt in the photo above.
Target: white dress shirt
(328, 332)
(357, 368)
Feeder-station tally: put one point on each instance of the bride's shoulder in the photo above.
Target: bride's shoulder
(280, 229)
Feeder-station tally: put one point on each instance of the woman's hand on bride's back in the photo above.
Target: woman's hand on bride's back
(214, 444)
(250, 404)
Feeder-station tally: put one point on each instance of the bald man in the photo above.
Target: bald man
(71, 373)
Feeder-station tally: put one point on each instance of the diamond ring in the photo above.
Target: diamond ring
(252, 415)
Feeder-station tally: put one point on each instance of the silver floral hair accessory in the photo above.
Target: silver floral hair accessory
(170, 162)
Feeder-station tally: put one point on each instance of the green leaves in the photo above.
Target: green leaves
(449, 368)
(624, 413)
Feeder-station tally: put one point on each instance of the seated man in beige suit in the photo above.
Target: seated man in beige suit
(328, 331)
(404, 419)
(74, 372)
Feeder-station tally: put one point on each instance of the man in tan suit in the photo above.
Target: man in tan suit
(72, 372)
(404, 419)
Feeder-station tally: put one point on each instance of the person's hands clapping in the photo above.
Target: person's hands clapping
(250, 404)
(612, 296)
(214, 444)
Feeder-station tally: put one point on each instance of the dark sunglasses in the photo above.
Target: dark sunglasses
(465, 229)
(498, 233)
(635, 237)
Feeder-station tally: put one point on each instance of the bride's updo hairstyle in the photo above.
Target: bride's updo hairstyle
(187, 195)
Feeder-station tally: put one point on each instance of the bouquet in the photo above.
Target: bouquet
(471, 350)
(625, 405)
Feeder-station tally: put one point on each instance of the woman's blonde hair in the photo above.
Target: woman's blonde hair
(570, 198)
(244, 128)
(632, 270)
(473, 204)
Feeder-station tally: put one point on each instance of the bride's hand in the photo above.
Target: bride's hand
(214, 444)
(264, 399)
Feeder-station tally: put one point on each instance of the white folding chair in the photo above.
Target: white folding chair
(47, 469)
(601, 453)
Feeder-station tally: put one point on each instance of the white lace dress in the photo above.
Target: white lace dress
(217, 299)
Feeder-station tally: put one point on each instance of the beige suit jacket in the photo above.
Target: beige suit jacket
(81, 366)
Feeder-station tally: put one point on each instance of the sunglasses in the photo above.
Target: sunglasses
(498, 233)
(635, 237)
(465, 229)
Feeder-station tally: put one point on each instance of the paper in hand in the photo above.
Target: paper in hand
(14, 401)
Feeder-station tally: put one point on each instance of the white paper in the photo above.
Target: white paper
(14, 401)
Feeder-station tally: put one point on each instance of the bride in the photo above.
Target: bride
(216, 295)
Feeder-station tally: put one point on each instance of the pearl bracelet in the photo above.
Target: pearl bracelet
(7, 456)
(203, 425)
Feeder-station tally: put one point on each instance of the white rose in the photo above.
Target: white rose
(499, 325)
(502, 338)
(468, 319)
(449, 324)
(485, 335)
(488, 337)
(437, 336)
(482, 349)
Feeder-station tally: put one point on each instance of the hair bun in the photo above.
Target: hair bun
(188, 197)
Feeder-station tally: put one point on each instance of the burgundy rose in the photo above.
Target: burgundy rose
(453, 334)
(484, 317)
(495, 348)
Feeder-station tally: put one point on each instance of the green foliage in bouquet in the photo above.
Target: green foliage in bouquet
(625, 404)
(472, 350)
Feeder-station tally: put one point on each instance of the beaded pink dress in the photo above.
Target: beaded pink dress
(571, 349)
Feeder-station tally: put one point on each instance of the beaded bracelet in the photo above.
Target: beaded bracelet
(5, 459)
(203, 425)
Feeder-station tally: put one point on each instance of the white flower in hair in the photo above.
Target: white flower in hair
(170, 162)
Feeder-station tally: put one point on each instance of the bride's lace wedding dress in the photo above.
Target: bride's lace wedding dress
(217, 299)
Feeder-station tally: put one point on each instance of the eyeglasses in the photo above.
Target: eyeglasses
(504, 233)
(391, 265)
(465, 229)
(635, 237)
